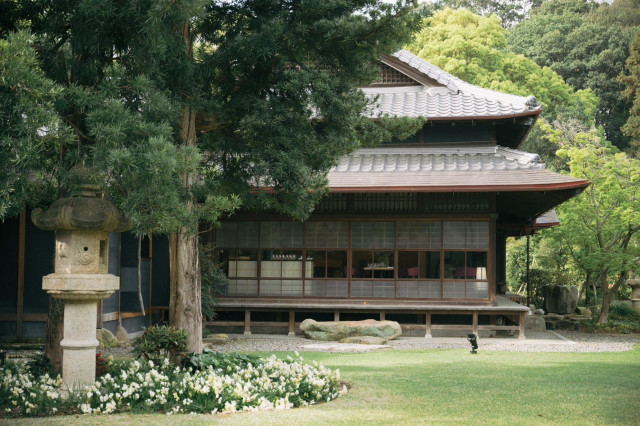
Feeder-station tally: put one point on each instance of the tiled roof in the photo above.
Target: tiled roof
(437, 159)
(453, 99)
(548, 219)
(442, 169)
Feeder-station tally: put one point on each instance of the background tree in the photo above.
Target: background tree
(32, 136)
(510, 12)
(600, 228)
(587, 48)
(30, 129)
(474, 48)
(632, 82)
(271, 84)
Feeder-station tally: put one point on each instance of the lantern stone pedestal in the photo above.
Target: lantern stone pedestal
(80, 280)
(635, 292)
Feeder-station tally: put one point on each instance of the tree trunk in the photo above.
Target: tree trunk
(606, 302)
(185, 309)
(55, 331)
(608, 297)
(586, 289)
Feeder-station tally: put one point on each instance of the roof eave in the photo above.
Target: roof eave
(578, 185)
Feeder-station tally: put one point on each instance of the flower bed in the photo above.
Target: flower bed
(142, 387)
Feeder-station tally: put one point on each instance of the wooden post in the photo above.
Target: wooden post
(292, 323)
(382, 316)
(475, 322)
(521, 334)
(427, 334)
(492, 321)
(336, 316)
(99, 312)
(21, 254)
(247, 322)
(528, 269)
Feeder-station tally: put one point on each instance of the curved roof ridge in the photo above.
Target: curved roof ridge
(521, 156)
(455, 84)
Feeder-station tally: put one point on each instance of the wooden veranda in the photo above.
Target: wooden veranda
(502, 307)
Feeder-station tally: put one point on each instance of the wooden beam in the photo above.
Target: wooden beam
(499, 327)
(21, 254)
(10, 317)
(112, 316)
(225, 323)
(475, 322)
(336, 316)
(427, 333)
(450, 327)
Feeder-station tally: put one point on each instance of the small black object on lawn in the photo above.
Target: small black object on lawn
(473, 339)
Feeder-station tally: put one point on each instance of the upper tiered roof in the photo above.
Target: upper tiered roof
(439, 95)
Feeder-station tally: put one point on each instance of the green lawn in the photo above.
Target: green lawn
(455, 387)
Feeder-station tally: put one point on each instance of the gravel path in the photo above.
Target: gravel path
(550, 341)
(561, 341)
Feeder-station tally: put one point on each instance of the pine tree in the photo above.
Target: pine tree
(179, 108)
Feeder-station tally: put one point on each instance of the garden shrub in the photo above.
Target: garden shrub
(103, 365)
(623, 310)
(145, 387)
(622, 319)
(160, 342)
(40, 365)
(220, 360)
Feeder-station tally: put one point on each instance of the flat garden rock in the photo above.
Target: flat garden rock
(344, 347)
(216, 338)
(331, 331)
(364, 340)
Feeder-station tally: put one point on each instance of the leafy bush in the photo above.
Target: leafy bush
(220, 360)
(160, 342)
(623, 310)
(103, 365)
(622, 319)
(39, 365)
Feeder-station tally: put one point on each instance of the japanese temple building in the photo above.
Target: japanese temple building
(413, 230)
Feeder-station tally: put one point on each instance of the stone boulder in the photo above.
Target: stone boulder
(560, 299)
(122, 336)
(106, 339)
(584, 311)
(333, 331)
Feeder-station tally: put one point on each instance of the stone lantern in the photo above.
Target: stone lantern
(81, 278)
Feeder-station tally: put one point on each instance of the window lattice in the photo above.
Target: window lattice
(332, 203)
(390, 75)
(385, 202)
